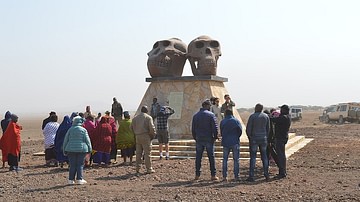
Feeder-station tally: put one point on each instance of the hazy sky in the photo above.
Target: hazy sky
(64, 55)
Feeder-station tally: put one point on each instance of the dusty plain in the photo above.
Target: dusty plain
(326, 169)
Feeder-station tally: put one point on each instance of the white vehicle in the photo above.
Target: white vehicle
(341, 113)
(296, 113)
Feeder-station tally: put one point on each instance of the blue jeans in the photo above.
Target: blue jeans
(236, 156)
(253, 149)
(76, 161)
(200, 147)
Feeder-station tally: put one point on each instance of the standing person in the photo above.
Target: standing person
(270, 150)
(143, 127)
(231, 131)
(162, 129)
(59, 140)
(4, 124)
(101, 142)
(97, 119)
(125, 140)
(49, 140)
(155, 109)
(87, 112)
(76, 145)
(116, 110)
(216, 109)
(228, 104)
(47, 120)
(89, 125)
(257, 130)
(10, 143)
(282, 125)
(205, 131)
(112, 122)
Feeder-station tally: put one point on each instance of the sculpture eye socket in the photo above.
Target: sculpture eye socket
(214, 44)
(166, 43)
(155, 45)
(199, 44)
(180, 48)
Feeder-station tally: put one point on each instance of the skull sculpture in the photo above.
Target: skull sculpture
(167, 58)
(203, 54)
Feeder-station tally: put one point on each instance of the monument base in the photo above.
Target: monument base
(185, 95)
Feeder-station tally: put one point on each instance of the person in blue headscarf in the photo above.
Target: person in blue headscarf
(59, 140)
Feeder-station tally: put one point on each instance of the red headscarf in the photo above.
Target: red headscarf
(10, 142)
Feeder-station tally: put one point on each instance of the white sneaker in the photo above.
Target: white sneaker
(81, 181)
(71, 182)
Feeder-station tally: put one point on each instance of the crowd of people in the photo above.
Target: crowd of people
(83, 139)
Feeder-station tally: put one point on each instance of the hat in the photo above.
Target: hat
(126, 114)
(286, 107)
(206, 102)
(162, 109)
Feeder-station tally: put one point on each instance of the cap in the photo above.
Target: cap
(206, 102)
(162, 109)
(286, 107)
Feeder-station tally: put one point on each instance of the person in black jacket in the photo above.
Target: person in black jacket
(282, 126)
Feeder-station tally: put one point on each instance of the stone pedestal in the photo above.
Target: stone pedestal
(185, 95)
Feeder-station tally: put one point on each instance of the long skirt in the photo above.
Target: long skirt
(50, 156)
(101, 157)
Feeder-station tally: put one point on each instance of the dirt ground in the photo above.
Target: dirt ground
(327, 169)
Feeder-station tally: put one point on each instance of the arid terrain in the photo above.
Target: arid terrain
(326, 169)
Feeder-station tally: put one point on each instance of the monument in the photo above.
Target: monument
(184, 93)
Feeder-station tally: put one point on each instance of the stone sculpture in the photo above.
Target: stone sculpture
(167, 58)
(203, 54)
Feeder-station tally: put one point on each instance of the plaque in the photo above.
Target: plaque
(176, 102)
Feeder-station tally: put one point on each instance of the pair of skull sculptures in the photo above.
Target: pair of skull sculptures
(168, 57)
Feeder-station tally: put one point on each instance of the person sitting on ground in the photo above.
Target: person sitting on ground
(125, 140)
(49, 140)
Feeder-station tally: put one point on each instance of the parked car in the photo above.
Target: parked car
(344, 112)
(295, 113)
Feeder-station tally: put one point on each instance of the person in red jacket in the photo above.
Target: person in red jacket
(10, 143)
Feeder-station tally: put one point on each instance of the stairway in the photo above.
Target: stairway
(180, 149)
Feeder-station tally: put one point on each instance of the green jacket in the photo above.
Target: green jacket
(77, 138)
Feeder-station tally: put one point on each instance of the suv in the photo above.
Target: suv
(296, 113)
(341, 113)
(324, 117)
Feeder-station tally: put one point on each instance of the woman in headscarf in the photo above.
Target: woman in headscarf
(89, 125)
(59, 140)
(4, 124)
(101, 139)
(10, 143)
(76, 145)
(125, 139)
(49, 140)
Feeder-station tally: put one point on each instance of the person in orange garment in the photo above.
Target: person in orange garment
(10, 143)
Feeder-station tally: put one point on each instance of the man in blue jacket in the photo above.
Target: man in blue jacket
(231, 131)
(205, 131)
(257, 130)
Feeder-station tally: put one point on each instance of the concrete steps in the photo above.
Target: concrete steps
(181, 149)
